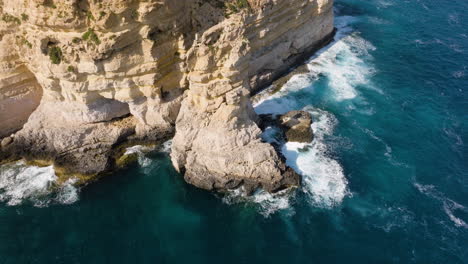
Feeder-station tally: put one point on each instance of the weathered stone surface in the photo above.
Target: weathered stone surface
(20, 93)
(217, 140)
(96, 73)
(297, 126)
(6, 141)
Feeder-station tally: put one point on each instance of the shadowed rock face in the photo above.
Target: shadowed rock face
(114, 71)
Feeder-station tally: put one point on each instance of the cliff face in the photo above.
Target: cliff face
(96, 73)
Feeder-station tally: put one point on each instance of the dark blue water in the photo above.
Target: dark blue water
(386, 180)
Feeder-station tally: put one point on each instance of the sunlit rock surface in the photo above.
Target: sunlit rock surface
(78, 78)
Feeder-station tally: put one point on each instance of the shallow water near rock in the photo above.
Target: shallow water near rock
(385, 180)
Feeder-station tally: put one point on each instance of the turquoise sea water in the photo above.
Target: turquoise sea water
(385, 181)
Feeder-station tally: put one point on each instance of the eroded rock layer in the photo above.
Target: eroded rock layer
(97, 73)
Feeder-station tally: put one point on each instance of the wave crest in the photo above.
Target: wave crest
(21, 183)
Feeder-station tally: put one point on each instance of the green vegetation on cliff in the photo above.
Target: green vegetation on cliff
(55, 55)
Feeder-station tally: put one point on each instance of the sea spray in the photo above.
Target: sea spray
(141, 152)
(146, 163)
(21, 183)
(343, 65)
(324, 182)
(323, 177)
(264, 202)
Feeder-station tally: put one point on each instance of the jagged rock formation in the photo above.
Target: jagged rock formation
(297, 126)
(104, 72)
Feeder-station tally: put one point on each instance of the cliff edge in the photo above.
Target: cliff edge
(79, 78)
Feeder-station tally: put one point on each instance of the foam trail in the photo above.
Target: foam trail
(324, 182)
(266, 203)
(449, 206)
(20, 183)
(271, 135)
(344, 61)
(344, 65)
(282, 101)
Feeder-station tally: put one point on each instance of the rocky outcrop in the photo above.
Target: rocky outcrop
(293, 126)
(106, 72)
(217, 140)
(297, 126)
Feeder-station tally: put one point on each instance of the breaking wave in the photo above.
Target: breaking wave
(324, 182)
(344, 67)
(266, 203)
(343, 64)
(141, 152)
(323, 178)
(21, 183)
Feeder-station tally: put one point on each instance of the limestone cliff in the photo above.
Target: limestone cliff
(88, 75)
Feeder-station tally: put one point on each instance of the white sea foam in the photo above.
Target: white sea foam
(323, 177)
(271, 203)
(166, 146)
(270, 135)
(141, 152)
(449, 206)
(324, 182)
(458, 74)
(266, 203)
(344, 66)
(282, 102)
(68, 193)
(396, 217)
(139, 149)
(20, 183)
(378, 20)
(344, 63)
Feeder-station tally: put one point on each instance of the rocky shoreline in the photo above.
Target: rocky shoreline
(133, 78)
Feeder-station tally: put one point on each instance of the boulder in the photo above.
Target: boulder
(297, 126)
